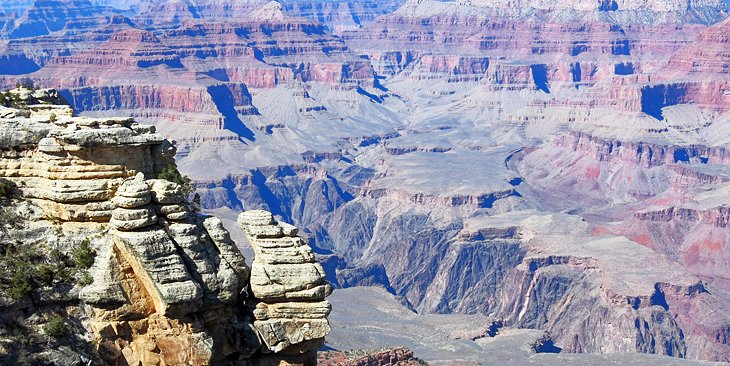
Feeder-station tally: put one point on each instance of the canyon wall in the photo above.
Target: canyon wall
(536, 162)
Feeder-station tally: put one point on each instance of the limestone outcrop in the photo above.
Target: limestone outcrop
(289, 287)
(70, 166)
(386, 135)
(166, 285)
(382, 357)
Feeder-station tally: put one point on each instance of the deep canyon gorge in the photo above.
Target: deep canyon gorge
(544, 182)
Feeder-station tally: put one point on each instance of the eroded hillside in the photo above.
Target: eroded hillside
(561, 167)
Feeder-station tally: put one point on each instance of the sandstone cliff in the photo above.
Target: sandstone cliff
(116, 267)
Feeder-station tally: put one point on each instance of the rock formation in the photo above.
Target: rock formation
(15, 6)
(395, 356)
(509, 158)
(290, 312)
(47, 16)
(77, 163)
(621, 11)
(167, 286)
(381, 322)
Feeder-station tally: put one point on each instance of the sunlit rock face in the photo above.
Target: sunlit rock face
(165, 285)
(624, 12)
(290, 311)
(508, 158)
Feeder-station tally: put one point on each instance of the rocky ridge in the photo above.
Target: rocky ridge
(379, 320)
(622, 11)
(591, 120)
(166, 285)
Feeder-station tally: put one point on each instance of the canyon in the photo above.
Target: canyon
(555, 168)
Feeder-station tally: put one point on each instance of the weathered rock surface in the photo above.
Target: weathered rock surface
(166, 286)
(47, 16)
(395, 356)
(79, 163)
(390, 142)
(373, 318)
(288, 284)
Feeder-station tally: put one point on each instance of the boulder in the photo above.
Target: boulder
(127, 202)
(165, 192)
(132, 219)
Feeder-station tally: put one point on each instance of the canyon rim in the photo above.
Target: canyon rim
(364, 182)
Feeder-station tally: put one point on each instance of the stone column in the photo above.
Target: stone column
(289, 290)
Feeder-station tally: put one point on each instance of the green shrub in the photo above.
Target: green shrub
(86, 279)
(65, 275)
(52, 118)
(21, 281)
(84, 255)
(65, 267)
(56, 328)
(170, 173)
(56, 257)
(6, 189)
(45, 275)
(24, 268)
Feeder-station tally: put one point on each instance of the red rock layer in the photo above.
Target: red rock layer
(396, 356)
(633, 67)
(709, 54)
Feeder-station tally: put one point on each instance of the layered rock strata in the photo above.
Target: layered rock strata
(167, 285)
(382, 357)
(290, 311)
(181, 278)
(72, 166)
(394, 171)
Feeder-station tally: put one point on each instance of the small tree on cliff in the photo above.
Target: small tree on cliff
(170, 173)
(56, 328)
(84, 255)
(28, 84)
(6, 189)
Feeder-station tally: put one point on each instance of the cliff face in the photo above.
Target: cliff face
(46, 16)
(392, 138)
(164, 285)
(118, 63)
(606, 54)
(624, 11)
(463, 249)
